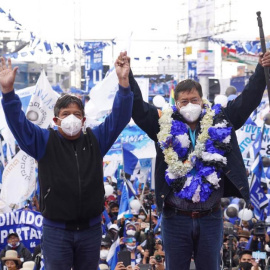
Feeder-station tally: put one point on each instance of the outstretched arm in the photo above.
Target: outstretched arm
(107, 132)
(31, 138)
(145, 115)
(240, 109)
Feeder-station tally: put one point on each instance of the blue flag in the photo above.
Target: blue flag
(131, 162)
(257, 196)
(112, 255)
(124, 203)
(256, 147)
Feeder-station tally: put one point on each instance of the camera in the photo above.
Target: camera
(228, 231)
(158, 258)
(260, 228)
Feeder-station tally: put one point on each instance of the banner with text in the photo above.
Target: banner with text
(27, 224)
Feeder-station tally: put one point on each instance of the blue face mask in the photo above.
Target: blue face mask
(242, 245)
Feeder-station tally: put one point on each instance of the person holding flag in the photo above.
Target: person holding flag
(70, 168)
(198, 162)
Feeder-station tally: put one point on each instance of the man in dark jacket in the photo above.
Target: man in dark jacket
(198, 162)
(13, 243)
(69, 168)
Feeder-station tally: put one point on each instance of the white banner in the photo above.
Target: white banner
(40, 108)
(18, 180)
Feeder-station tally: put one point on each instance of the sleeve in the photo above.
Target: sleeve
(146, 116)
(31, 138)
(107, 132)
(239, 109)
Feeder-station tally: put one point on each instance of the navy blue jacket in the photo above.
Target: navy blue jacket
(237, 111)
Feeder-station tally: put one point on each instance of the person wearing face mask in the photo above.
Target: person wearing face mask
(13, 243)
(129, 243)
(104, 249)
(246, 262)
(70, 168)
(198, 162)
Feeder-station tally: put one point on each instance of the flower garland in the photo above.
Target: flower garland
(194, 177)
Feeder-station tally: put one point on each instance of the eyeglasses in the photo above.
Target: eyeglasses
(184, 102)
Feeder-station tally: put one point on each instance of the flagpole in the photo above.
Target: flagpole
(125, 180)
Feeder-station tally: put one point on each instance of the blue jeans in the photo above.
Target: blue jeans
(184, 236)
(63, 249)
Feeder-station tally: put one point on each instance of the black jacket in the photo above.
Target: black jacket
(237, 112)
(73, 190)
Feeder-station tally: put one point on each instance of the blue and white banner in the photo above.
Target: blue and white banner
(27, 224)
(192, 70)
(136, 141)
(93, 65)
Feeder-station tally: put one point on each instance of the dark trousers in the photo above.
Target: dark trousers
(184, 236)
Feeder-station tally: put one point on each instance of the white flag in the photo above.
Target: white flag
(40, 108)
(18, 179)
(103, 93)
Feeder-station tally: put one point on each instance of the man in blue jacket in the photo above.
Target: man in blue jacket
(69, 168)
(198, 162)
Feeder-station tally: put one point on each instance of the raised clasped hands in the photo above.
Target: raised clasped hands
(122, 67)
(7, 75)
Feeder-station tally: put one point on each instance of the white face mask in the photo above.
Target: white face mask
(130, 248)
(104, 254)
(142, 217)
(191, 112)
(131, 232)
(71, 125)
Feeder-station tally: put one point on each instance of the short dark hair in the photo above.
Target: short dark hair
(187, 86)
(249, 252)
(231, 90)
(64, 101)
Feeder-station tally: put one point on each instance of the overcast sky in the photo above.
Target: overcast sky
(64, 20)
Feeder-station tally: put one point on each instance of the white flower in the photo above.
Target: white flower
(210, 157)
(213, 179)
(184, 140)
(196, 196)
(227, 139)
(223, 124)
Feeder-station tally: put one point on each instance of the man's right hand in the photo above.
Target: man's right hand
(7, 76)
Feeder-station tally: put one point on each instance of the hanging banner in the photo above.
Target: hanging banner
(192, 70)
(26, 223)
(201, 18)
(206, 63)
(93, 65)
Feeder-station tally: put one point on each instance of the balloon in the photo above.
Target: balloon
(135, 205)
(225, 202)
(221, 99)
(235, 201)
(159, 101)
(236, 206)
(245, 214)
(108, 190)
(231, 212)
(241, 203)
(225, 215)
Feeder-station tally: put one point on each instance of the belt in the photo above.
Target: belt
(194, 214)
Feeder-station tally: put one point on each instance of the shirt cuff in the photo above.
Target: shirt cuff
(124, 90)
(8, 96)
